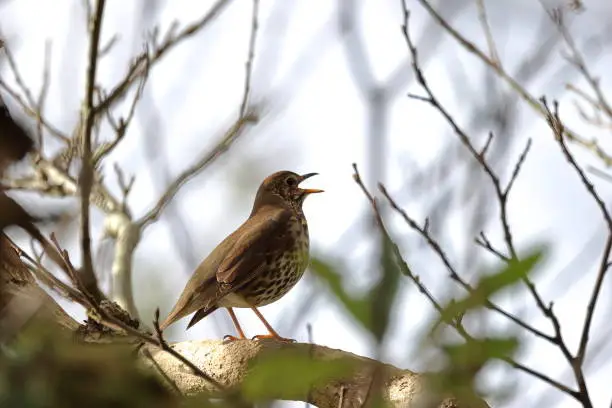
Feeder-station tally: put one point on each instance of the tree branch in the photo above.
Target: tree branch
(532, 101)
(86, 178)
(230, 362)
(557, 127)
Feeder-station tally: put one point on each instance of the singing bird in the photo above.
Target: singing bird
(258, 263)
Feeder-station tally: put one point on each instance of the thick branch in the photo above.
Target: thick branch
(229, 362)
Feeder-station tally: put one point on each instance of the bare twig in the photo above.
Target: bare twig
(121, 127)
(139, 65)
(222, 146)
(558, 128)
(531, 100)
(453, 273)
(403, 265)
(456, 324)
(29, 104)
(115, 323)
(577, 59)
(31, 111)
(556, 125)
(502, 194)
(600, 173)
(42, 96)
(51, 280)
(161, 343)
(484, 242)
(125, 186)
(561, 387)
(226, 140)
(86, 178)
(162, 372)
(484, 22)
(73, 274)
(250, 58)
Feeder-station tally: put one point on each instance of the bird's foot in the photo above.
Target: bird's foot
(230, 338)
(273, 337)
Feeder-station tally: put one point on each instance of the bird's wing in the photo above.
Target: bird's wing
(202, 285)
(262, 238)
(233, 262)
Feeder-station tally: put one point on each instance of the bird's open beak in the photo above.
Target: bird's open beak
(309, 190)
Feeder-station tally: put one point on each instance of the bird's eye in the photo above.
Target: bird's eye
(291, 181)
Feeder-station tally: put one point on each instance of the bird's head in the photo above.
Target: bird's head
(284, 185)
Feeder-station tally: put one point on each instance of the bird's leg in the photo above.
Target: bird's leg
(241, 335)
(273, 334)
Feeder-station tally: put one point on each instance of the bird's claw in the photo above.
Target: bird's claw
(230, 338)
(272, 337)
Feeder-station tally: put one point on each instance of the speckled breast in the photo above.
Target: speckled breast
(283, 270)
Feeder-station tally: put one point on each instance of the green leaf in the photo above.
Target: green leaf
(478, 352)
(490, 284)
(465, 361)
(358, 307)
(374, 309)
(292, 372)
(383, 294)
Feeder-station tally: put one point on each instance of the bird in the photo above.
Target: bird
(258, 263)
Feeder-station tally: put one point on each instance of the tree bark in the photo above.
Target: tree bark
(229, 362)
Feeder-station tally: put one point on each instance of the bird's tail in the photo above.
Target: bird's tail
(200, 314)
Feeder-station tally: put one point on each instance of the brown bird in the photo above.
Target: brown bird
(259, 262)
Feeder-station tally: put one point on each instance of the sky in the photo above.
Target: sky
(319, 98)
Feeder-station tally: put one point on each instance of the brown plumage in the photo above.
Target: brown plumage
(259, 262)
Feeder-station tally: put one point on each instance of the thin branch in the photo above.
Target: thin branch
(501, 192)
(18, 78)
(558, 128)
(561, 387)
(86, 178)
(484, 242)
(456, 324)
(226, 140)
(121, 127)
(222, 146)
(161, 343)
(532, 101)
(600, 173)
(49, 279)
(484, 22)
(138, 66)
(577, 59)
(31, 111)
(556, 125)
(453, 273)
(117, 324)
(401, 262)
(42, 96)
(250, 58)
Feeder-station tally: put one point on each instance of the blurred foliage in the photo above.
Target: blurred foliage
(464, 360)
(292, 374)
(372, 309)
(490, 283)
(44, 368)
(463, 363)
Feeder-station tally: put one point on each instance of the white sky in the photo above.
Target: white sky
(322, 128)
